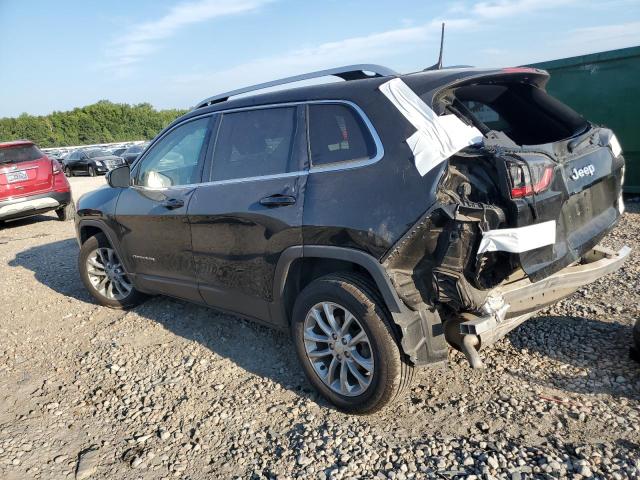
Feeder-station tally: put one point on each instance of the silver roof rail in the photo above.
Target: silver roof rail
(349, 72)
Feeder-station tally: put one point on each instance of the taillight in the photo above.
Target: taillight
(56, 167)
(529, 178)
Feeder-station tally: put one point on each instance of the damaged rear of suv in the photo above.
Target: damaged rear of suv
(382, 220)
(518, 213)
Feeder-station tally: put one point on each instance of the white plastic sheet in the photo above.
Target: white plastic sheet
(518, 240)
(437, 138)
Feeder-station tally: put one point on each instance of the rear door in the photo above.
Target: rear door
(152, 214)
(24, 170)
(251, 208)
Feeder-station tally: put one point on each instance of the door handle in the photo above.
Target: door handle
(278, 200)
(172, 203)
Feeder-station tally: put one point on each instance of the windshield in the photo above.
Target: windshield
(98, 153)
(136, 149)
(19, 153)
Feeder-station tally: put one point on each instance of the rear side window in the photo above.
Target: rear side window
(338, 134)
(20, 153)
(255, 143)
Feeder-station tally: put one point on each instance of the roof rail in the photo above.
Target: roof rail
(349, 72)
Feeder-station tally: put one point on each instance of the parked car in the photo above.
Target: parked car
(131, 153)
(118, 151)
(90, 162)
(383, 219)
(31, 183)
(54, 154)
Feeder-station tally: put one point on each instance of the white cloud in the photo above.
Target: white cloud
(606, 37)
(143, 39)
(509, 8)
(364, 49)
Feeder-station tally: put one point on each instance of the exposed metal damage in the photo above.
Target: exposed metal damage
(464, 258)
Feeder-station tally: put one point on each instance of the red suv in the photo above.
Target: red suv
(31, 183)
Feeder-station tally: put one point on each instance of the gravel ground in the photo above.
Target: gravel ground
(171, 389)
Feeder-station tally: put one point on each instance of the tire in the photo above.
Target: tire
(67, 212)
(68, 172)
(355, 294)
(87, 250)
(92, 171)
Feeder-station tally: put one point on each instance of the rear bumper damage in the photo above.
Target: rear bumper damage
(511, 303)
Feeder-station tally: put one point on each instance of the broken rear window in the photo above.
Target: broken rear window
(525, 113)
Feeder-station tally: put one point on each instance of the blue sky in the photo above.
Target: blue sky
(57, 55)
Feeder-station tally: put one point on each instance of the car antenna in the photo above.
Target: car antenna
(438, 66)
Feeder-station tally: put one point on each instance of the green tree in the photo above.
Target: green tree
(101, 122)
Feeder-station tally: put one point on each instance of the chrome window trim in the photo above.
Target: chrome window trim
(337, 166)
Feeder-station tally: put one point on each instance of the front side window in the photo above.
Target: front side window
(338, 134)
(174, 160)
(255, 143)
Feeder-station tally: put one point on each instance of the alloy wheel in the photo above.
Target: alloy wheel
(107, 275)
(338, 348)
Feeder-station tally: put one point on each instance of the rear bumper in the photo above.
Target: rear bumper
(515, 302)
(33, 205)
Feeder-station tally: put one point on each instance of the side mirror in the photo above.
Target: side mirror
(119, 177)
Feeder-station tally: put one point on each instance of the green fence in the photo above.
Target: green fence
(604, 88)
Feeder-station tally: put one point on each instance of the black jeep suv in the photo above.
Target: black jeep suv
(381, 219)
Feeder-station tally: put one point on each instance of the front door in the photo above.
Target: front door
(251, 208)
(152, 214)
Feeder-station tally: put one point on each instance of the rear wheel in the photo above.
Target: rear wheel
(104, 276)
(92, 171)
(346, 343)
(67, 212)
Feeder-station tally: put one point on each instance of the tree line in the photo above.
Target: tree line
(102, 122)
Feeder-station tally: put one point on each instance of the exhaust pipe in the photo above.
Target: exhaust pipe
(468, 347)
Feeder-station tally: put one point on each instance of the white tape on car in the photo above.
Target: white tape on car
(518, 240)
(437, 138)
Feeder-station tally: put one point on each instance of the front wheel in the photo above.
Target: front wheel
(104, 276)
(92, 171)
(346, 343)
(68, 172)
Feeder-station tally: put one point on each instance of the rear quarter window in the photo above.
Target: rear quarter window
(20, 153)
(337, 133)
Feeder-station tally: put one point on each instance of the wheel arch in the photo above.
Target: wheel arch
(90, 228)
(300, 265)
(422, 336)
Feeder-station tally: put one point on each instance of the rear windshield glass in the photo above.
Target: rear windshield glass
(526, 114)
(21, 153)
